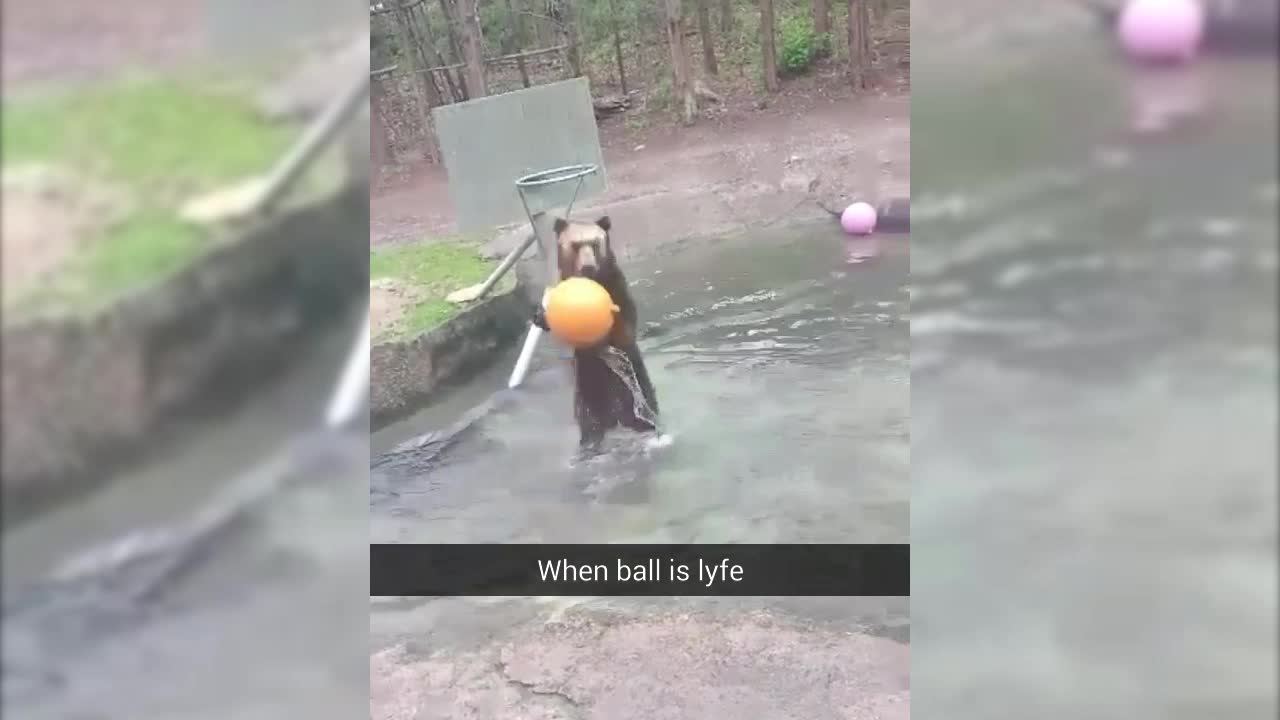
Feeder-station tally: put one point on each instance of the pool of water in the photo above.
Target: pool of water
(155, 597)
(783, 378)
(1094, 374)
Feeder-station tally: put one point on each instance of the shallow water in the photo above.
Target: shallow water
(782, 375)
(154, 598)
(1094, 375)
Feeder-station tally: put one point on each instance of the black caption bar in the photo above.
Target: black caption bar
(797, 570)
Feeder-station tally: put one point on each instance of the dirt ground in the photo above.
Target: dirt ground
(48, 214)
(82, 38)
(743, 165)
(664, 666)
(387, 304)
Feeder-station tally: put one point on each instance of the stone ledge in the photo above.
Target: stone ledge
(405, 375)
(83, 395)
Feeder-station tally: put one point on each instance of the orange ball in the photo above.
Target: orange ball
(579, 311)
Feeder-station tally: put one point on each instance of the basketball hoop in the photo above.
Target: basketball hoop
(528, 186)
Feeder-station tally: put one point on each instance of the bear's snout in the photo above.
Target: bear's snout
(588, 262)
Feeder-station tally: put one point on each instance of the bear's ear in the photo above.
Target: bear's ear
(559, 225)
(604, 223)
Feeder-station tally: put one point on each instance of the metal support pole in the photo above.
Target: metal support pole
(505, 265)
(316, 138)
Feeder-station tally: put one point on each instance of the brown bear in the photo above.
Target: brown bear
(603, 399)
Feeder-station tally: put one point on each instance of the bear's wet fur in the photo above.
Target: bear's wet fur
(602, 400)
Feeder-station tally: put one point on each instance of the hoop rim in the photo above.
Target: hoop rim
(556, 175)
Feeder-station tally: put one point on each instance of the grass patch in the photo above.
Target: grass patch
(161, 140)
(156, 135)
(428, 273)
(145, 246)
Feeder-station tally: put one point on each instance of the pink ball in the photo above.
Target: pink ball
(1161, 30)
(858, 219)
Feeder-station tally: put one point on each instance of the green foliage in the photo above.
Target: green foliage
(384, 46)
(157, 135)
(660, 95)
(800, 43)
(639, 24)
(497, 26)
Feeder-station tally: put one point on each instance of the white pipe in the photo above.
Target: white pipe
(353, 386)
(526, 356)
(526, 352)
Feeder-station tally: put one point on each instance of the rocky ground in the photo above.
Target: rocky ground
(668, 665)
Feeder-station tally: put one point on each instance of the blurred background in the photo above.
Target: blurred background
(1093, 341)
(185, 285)
(1094, 367)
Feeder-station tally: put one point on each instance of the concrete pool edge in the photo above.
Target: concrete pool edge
(405, 375)
(88, 395)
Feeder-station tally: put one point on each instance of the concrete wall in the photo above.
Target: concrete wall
(405, 375)
(83, 394)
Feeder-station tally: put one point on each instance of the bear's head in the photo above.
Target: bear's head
(584, 248)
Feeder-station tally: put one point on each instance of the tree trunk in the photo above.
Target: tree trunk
(682, 88)
(472, 48)
(768, 45)
(617, 46)
(708, 42)
(452, 31)
(726, 16)
(822, 24)
(859, 44)
(380, 151)
(420, 27)
(518, 39)
(562, 13)
(428, 96)
(431, 58)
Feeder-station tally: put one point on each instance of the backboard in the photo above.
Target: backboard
(488, 143)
